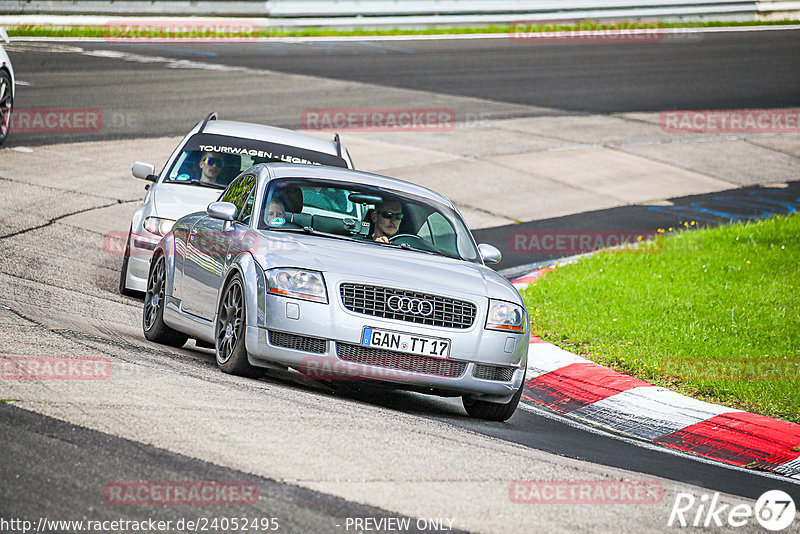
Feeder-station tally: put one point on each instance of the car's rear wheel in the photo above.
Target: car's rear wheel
(154, 302)
(229, 330)
(6, 105)
(123, 275)
(493, 411)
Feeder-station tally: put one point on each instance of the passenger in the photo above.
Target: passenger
(210, 164)
(276, 209)
(386, 219)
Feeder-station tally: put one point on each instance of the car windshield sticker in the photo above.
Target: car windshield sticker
(261, 150)
(183, 177)
(277, 221)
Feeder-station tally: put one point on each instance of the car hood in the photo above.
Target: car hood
(381, 265)
(173, 201)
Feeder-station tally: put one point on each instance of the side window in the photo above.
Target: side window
(238, 193)
(442, 234)
(244, 215)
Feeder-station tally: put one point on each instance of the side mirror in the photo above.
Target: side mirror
(224, 211)
(489, 254)
(145, 171)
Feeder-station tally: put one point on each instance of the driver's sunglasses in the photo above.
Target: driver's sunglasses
(389, 215)
(214, 161)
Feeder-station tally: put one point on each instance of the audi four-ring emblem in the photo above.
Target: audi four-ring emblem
(409, 305)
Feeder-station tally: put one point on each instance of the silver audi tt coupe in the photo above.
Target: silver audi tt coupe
(341, 274)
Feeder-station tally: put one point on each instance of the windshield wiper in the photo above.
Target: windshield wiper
(406, 246)
(198, 182)
(311, 231)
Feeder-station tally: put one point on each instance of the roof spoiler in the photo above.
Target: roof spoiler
(338, 144)
(211, 117)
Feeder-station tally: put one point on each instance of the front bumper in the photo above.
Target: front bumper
(141, 252)
(324, 341)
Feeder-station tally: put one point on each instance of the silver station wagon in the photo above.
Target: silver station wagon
(341, 274)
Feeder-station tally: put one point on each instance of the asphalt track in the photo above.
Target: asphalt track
(697, 71)
(726, 70)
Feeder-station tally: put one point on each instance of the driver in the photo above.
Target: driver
(211, 164)
(386, 220)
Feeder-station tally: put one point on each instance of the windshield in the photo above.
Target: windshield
(390, 218)
(215, 160)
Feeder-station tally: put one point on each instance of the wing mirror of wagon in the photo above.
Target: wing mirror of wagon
(145, 171)
(489, 254)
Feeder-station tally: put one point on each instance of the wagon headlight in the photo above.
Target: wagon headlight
(158, 226)
(297, 283)
(505, 316)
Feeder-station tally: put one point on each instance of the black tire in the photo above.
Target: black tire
(229, 330)
(493, 411)
(124, 271)
(6, 105)
(154, 302)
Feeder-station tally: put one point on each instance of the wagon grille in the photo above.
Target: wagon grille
(402, 362)
(440, 311)
(493, 372)
(295, 342)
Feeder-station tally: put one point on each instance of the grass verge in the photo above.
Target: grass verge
(713, 313)
(277, 31)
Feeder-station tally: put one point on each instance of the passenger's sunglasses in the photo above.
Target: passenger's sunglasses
(389, 215)
(214, 161)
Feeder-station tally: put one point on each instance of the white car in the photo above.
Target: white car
(212, 154)
(6, 90)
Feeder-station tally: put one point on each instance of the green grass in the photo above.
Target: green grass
(278, 31)
(713, 313)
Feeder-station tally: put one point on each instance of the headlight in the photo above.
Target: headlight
(158, 226)
(505, 316)
(297, 283)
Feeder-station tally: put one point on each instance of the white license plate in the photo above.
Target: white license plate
(408, 343)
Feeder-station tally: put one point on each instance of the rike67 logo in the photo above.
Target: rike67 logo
(774, 510)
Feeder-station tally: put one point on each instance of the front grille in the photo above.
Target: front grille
(295, 342)
(402, 362)
(493, 372)
(373, 300)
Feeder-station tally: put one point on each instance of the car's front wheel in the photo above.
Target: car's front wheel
(493, 411)
(6, 105)
(229, 330)
(154, 302)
